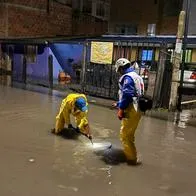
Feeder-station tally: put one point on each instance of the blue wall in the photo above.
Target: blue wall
(65, 56)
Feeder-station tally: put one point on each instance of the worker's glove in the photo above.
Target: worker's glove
(70, 126)
(77, 129)
(120, 114)
(114, 105)
(88, 132)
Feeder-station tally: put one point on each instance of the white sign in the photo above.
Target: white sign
(178, 48)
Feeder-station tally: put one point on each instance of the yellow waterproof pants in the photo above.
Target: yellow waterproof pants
(127, 133)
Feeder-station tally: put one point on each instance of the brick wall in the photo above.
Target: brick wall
(40, 4)
(30, 18)
(169, 25)
(3, 30)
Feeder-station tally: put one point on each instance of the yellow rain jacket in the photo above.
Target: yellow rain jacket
(67, 108)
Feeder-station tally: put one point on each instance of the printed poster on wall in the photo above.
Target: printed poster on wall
(101, 52)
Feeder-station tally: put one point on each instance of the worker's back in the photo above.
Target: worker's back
(70, 100)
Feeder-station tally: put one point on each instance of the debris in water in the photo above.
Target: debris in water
(180, 138)
(75, 189)
(31, 160)
(61, 186)
(105, 168)
(164, 187)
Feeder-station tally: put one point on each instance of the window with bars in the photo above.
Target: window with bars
(147, 55)
(100, 9)
(87, 6)
(126, 29)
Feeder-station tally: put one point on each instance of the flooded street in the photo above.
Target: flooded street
(35, 162)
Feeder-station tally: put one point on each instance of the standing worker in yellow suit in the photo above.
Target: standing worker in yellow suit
(76, 105)
(131, 86)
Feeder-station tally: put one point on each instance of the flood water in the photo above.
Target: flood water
(36, 162)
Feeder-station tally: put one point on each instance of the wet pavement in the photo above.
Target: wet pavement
(187, 116)
(35, 162)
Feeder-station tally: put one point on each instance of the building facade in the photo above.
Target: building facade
(24, 18)
(143, 17)
(21, 18)
(90, 17)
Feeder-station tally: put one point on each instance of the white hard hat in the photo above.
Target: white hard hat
(121, 63)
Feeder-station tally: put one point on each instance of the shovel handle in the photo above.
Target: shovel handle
(90, 138)
(78, 131)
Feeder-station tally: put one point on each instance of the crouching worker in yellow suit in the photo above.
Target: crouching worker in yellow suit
(77, 105)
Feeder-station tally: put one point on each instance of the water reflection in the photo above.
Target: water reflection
(181, 118)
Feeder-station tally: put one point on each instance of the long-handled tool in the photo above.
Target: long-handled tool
(89, 137)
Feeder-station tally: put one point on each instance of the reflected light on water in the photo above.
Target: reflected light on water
(98, 145)
(181, 118)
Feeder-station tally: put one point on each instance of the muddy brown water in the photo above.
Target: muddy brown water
(35, 162)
